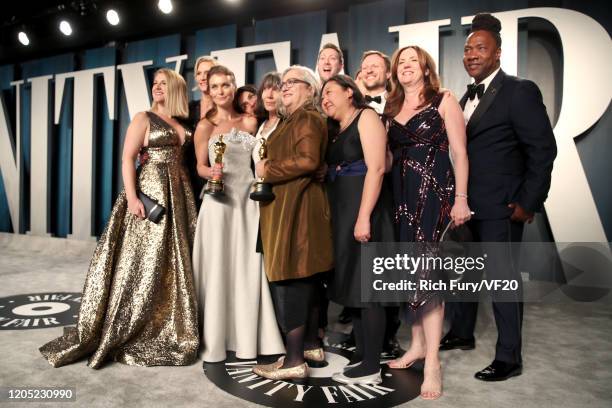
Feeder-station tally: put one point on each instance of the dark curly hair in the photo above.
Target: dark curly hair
(487, 22)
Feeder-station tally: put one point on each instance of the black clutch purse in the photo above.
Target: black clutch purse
(456, 235)
(153, 210)
(454, 243)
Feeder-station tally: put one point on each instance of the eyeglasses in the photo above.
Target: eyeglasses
(291, 82)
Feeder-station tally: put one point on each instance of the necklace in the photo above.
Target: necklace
(348, 123)
(343, 128)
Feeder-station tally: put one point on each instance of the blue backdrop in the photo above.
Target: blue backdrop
(359, 27)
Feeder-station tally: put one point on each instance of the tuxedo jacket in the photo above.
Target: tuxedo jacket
(511, 148)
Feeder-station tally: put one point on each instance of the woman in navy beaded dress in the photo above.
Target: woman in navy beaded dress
(424, 122)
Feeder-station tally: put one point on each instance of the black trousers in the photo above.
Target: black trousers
(294, 300)
(393, 323)
(508, 314)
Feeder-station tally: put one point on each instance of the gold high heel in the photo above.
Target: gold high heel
(275, 372)
(317, 354)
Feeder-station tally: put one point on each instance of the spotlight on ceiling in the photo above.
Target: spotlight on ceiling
(165, 6)
(23, 38)
(65, 28)
(112, 17)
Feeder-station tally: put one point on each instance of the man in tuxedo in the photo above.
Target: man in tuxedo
(375, 74)
(511, 149)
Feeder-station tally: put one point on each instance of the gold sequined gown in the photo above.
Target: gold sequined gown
(138, 305)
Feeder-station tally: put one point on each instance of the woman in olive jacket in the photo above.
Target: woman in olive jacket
(296, 226)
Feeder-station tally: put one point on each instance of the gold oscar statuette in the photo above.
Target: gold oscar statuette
(214, 186)
(262, 191)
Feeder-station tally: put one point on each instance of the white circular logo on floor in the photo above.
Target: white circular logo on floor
(39, 311)
(236, 377)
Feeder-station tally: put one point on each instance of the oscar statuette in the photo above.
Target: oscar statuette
(214, 186)
(262, 191)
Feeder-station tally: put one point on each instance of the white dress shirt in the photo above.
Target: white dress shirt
(470, 105)
(379, 107)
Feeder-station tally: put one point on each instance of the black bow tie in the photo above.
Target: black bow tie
(376, 99)
(473, 90)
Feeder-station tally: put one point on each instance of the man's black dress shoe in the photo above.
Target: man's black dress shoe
(391, 349)
(499, 371)
(452, 342)
(349, 341)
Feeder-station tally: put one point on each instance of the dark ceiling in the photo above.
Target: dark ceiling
(139, 19)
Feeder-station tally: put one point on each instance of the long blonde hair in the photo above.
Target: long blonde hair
(176, 99)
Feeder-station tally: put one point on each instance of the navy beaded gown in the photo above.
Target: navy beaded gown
(423, 182)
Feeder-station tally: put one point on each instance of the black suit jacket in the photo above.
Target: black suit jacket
(511, 148)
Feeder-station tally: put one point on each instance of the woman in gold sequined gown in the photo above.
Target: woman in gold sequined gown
(138, 305)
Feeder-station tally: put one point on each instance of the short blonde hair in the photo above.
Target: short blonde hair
(204, 58)
(309, 76)
(382, 55)
(176, 99)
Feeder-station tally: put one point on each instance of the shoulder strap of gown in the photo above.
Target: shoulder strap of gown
(437, 100)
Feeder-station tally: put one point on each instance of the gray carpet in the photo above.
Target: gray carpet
(567, 350)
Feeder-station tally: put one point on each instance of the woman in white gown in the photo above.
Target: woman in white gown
(236, 311)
